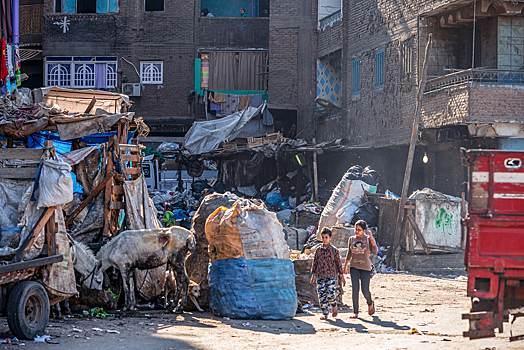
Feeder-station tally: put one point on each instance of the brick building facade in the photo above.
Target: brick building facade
(381, 60)
(167, 39)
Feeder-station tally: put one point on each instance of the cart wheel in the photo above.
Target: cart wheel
(28, 310)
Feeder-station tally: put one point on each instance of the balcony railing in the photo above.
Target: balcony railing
(330, 19)
(487, 76)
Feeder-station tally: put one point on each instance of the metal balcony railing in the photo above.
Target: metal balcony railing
(330, 19)
(487, 76)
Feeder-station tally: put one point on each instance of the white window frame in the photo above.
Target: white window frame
(72, 63)
(144, 65)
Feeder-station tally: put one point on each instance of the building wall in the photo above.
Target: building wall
(330, 39)
(292, 58)
(446, 107)
(137, 36)
(236, 33)
(496, 103)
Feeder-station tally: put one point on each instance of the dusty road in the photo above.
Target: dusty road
(432, 305)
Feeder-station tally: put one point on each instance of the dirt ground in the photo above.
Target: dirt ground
(432, 305)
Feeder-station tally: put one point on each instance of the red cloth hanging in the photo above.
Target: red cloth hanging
(3, 61)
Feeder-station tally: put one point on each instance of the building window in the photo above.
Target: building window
(86, 6)
(154, 5)
(81, 72)
(405, 61)
(355, 77)
(379, 70)
(152, 72)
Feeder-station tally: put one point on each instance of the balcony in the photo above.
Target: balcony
(233, 32)
(474, 96)
(484, 76)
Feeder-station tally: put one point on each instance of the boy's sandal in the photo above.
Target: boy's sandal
(354, 316)
(372, 310)
(323, 318)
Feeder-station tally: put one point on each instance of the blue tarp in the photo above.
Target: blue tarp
(264, 288)
(37, 139)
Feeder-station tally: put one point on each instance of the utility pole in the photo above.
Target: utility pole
(409, 165)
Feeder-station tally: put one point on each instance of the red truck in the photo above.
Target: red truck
(494, 249)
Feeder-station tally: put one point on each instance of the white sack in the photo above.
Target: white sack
(343, 204)
(55, 186)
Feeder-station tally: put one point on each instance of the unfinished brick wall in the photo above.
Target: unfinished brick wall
(283, 63)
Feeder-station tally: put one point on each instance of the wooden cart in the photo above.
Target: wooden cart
(22, 299)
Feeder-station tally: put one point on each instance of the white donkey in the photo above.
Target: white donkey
(143, 250)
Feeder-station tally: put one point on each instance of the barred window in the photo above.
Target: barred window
(81, 72)
(152, 72)
(379, 70)
(406, 62)
(355, 76)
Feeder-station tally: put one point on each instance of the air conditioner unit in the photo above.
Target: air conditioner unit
(132, 89)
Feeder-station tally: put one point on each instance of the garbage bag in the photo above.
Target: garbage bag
(370, 176)
(367, 212)
(55, 185)
(355, 173)
(199, 185)
(274, 198)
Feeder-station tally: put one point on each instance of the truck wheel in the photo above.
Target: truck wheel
(28, 310)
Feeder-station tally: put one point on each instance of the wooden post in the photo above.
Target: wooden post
(315, 170)
(409, 165)
(33, 235)
(51, 236)
(9, 141)
(108, 195)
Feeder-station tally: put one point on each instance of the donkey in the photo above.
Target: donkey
(145, 250)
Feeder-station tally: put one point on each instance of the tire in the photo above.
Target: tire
(28, 310)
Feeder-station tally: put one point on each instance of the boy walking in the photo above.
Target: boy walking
(326, 267)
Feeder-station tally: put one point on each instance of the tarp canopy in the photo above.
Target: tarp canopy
(206, 136)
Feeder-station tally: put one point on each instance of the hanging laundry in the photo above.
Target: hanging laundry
(230, 106)
(10, 61)
(214, 107)
(18, 67)
(3, 61)
(217, 97)
(256, 100)
(244, 101)
(100, 75)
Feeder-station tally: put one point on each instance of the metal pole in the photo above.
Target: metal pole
(411, 153)
(16, 8)
(474, 29)
(315, 170)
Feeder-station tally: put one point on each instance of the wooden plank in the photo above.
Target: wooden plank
(51, 236)
(133, 171)
(31, 263)
(18, 173)
(92, 195)
(413, 223)
(130, 157)
(118, 190)
(117, 205)
(30, 239)
(21, 153)
(129, 148)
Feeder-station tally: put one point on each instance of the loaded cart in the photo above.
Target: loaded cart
(494, 254)
(36, 269)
